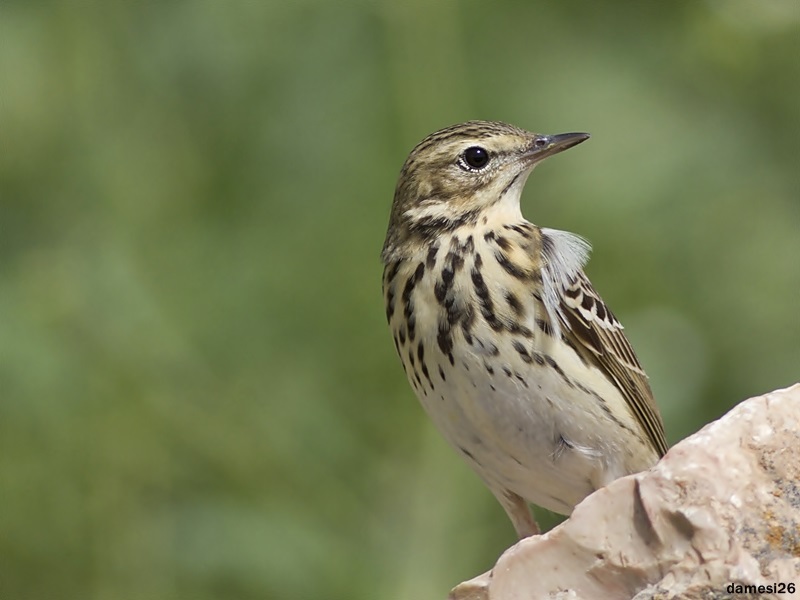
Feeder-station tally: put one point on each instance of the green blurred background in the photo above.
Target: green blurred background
(200, 397)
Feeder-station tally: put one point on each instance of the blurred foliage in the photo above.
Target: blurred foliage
(199, 394)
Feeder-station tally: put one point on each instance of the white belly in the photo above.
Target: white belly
(527, 432)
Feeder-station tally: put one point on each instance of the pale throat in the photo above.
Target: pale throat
(508, 210)
(497, 212)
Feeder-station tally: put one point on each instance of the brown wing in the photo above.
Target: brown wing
(598, 336)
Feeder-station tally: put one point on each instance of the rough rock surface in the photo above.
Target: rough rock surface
(722, 507)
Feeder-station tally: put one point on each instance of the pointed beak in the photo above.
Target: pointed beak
(548, 145)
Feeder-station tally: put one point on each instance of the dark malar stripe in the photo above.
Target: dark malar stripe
(431, 228)
(508, 187)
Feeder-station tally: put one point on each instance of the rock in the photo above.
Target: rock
(721, 508)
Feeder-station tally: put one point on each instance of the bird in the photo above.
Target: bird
(512, 353)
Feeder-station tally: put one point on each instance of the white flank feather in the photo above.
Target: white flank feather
(564, 257)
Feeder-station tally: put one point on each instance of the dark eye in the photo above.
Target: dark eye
(476, 157)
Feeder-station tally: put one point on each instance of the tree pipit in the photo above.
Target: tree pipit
(512, 353)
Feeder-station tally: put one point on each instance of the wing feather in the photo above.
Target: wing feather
(594, 328)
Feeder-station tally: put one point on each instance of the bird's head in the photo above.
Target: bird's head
(459, 174)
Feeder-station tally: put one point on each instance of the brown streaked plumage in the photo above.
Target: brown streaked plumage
(517, 360)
